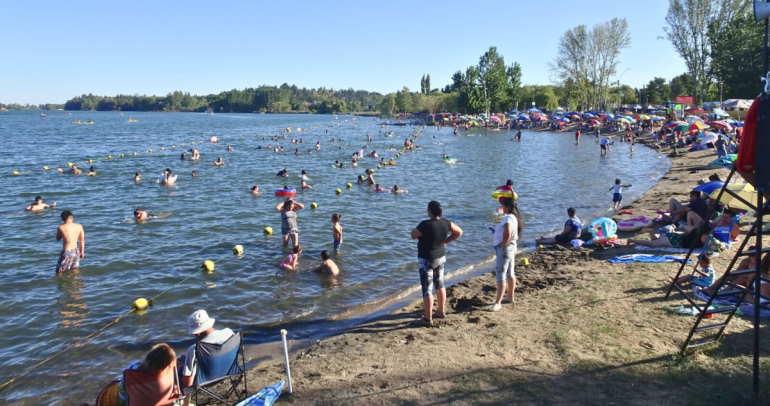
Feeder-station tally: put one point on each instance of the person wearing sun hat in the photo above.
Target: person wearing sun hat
(201, 326)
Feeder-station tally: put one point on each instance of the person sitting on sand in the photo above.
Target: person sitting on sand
(724, 220)
(255, 190)
(219, 162)
(160, 357)
(38, 205)
(91, 171)
(142, 215)
(703, 277)
(328, 266)
(137, 177)
(283, 173)
(291, 263)
(679, 211)
(572, 230)
(396, 190)
(745, 280)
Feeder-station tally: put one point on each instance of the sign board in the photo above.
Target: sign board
(685, 99)
(678, 107)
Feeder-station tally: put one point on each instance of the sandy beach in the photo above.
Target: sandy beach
(582, 331)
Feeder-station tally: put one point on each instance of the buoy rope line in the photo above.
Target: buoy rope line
(237, 250)
(150, 151)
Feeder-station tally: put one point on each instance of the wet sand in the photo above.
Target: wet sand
(581, 331)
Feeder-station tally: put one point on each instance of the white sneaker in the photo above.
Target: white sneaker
(495, 307)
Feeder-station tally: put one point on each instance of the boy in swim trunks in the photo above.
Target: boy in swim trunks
(337, 231)
(71, 233)
(327, 266)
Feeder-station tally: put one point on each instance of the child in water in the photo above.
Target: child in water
(327, 266)
(291, 263)
(396, 190)
(378, 188)
(337, 231)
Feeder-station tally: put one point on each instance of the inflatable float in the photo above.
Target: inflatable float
(286, 192)
(603, 230)
(450, 160)
(634, 224)
(498, 194)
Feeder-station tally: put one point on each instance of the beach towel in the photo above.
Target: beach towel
(662, 249)
(745, 309)
(648, 258)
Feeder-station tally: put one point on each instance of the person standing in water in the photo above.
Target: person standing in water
(433, 235)
(71, 233)
(577, 135)
(289, 228)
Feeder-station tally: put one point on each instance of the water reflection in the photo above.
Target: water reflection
(73, 309)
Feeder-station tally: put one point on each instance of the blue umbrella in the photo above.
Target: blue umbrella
(710, 187)
(534, 110)
(564, 119)
(523, 117)
(658, 118)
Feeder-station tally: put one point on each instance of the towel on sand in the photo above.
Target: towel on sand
(627, 259)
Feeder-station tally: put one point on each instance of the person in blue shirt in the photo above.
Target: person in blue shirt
(704, 277)
(696, 205)
(572, 229)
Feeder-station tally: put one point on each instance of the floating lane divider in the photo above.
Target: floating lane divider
(140, 305)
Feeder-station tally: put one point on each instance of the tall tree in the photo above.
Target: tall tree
(736, 55)
(514, 85)
(687, 27)
(422, 84)
(404, 100)
(427, 84)
(493, 79)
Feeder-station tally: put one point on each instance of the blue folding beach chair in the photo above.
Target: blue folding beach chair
(223, 364)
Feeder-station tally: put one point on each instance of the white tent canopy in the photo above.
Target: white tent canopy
(737, 103)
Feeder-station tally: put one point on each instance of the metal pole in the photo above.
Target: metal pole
(286, 358)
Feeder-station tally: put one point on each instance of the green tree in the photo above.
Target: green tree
(404, 100)
(493, 79)
(514, 85)
(427, 84)
(388, 104)
(736, 56)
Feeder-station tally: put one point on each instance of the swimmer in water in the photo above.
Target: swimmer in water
(382, 162)
(378, 188)
(318, 146)
(219, 162)
(137, 177)
(229, 148)
(370, 177)
(360, 179)
(184, 156)
(168, 178)
(328, 266)
(195, 153)
(391, 162)
(38, 205)
(397, 191)
(255, 190)
(142, 215)
(305, 185)
(283, 173)
(194, 174)
(296, 151)
(73, 170)
(91, 171)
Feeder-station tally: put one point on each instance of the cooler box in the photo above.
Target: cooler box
(722, 234)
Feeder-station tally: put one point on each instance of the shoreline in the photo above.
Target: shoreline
(478, 355)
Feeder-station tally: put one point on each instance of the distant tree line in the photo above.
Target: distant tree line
(264, 99)
(46, 106)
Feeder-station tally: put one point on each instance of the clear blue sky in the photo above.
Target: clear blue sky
(51, 51)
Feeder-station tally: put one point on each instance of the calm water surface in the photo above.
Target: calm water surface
(40, 313)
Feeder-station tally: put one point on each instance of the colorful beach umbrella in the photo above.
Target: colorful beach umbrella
(743, 190)
(697, 126)
(675, 124)
(642, 117)
(693, 118)
(719, 124)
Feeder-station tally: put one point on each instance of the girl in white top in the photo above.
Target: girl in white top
(505, 241)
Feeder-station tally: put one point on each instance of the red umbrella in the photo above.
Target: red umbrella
(695, 111)
(719, 124)
(593, 122)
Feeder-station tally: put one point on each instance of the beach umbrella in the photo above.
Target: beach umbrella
(697, 126)
(693, 118)
(730, 120)
(744, 190)
(593, 122)
(710, 187)
(681, 127)
(622, 120)
(564, 120)
(642, 117)
(534, 109)
(523, 117)
(738, 124)
(709, 138)
(658, 118)
(495, 118)
(608, 115)
(719, 124)
(675, 124)
(720, 113)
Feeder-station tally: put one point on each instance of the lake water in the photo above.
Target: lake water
(40, 314)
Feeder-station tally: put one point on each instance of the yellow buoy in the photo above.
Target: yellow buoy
(90, 161)
(162, 148)
(238, 249)
(140, 304)
(109, 156)
(173, 146)
(181, 145)
(121, 155)
(192, 143)
(69, 163)
(314, 205)
(338, 191)
(540, 246)
(149, 150)
(208, 266)
(349, 185)
(134, 153)
(268, 231)
(525, 261)
(45, 168)
(15, 172)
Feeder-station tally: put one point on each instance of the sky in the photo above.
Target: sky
(51, 51)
